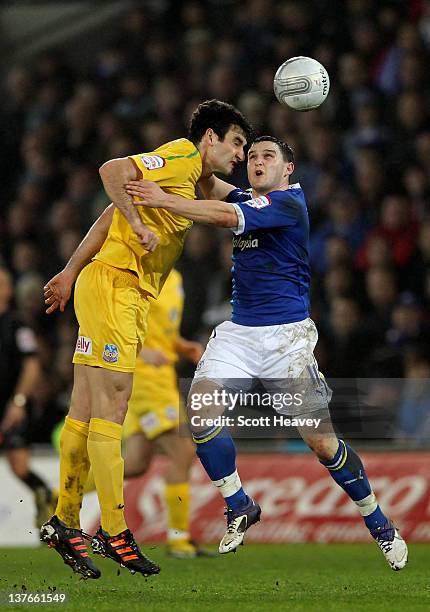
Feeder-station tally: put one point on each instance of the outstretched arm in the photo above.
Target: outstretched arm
(57, 290)
(212, 212)
(115, 174)
(214, 188)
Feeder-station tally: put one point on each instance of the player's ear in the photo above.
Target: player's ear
(289, 168)
(210, 136)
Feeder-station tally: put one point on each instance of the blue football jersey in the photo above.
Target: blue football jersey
(271, 275)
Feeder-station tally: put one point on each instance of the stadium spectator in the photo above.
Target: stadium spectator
(397, 227)
(420, 261)
(382, 292)
(349, 346)
(344, 221)
(413, 421)
(407, 324)
(20, 369)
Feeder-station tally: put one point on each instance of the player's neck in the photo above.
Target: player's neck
(261, 192)
(207, 170)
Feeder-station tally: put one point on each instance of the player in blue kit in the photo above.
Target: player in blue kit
(270, 336)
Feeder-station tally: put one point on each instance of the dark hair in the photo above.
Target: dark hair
(219, 116)
(286, 150)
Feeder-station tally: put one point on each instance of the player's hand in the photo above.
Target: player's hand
(57, 291)
(146, 237)
(153, 357)
(13, 417)
(150, 193)
(191, 350)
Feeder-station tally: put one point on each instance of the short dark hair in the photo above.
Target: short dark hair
(286, 150)
(219, 116)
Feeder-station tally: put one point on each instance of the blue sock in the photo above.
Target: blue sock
(348, 471)
(218, 457)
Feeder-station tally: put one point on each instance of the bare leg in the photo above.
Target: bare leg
(138, 455)
(19, 462)
(181, 452)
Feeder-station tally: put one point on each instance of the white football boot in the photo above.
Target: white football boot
(238, 522)
(392, 544)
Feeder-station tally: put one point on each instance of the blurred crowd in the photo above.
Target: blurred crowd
(363, 160)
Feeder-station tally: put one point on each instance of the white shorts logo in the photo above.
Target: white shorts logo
(260, 202)
(152, 162)
(84, 345)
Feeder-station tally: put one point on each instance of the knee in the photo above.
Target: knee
(135, 467)
(121, 395)
(80, 407)
(186, 455)
(19, 467)
(324, 448)
(121, 409)
(113, 406)
(20, 472)
(194, 412)
(179, 450)
(204, 402)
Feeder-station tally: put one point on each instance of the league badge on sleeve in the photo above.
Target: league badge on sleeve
(110, 353)
(153, 162)
(260, 202)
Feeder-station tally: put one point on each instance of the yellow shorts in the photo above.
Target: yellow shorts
(155, 402)
(112, 312)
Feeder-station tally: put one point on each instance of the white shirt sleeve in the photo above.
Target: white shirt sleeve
(240, 220)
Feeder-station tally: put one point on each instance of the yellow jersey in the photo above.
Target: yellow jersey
(164, 321)
(176, 166)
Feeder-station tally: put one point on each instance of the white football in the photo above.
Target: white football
(301, 83)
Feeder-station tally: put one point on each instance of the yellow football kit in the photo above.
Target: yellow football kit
(111, 295)
(155, 402)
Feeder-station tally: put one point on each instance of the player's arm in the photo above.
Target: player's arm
(214, 188)
(57, 291)
(188, 349)
(153, 357)
(26, 346)
(16, 407)
(212, 212)
(115, 174)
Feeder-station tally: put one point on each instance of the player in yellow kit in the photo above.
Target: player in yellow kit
(111, 305)
(154, 403)
(154, 411)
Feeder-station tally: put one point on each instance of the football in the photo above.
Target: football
(301, 83)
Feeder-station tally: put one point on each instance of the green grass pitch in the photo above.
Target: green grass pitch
(258, 577)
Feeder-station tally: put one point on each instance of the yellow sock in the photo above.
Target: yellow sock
(104, 450)
(74, 466)
(90, 485)
(178, 510)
